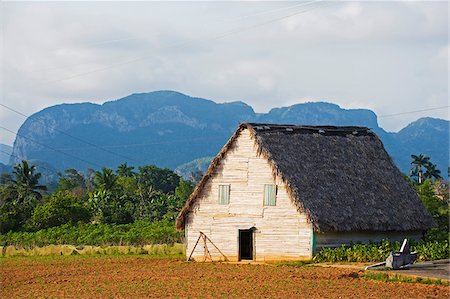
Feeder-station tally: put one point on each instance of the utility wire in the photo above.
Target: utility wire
(273, 10)
(74, 137)
(137, 144)
(141, 38)
(8, 154)
(415, 111)
(38, 166)
(103, 147)
(49, 147)
(181, 45)
(225, 34)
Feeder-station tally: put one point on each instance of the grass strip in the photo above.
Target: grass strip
(399, 278)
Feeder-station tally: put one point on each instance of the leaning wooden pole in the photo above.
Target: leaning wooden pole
(226, 259)
(206, 252)
(205, 249)
(192, 252)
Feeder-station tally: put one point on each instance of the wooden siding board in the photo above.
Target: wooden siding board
(281, 231)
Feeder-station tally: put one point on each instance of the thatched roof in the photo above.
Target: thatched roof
(341, 177)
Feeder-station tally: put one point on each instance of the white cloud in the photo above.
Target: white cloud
(386, 56)
(439, 62)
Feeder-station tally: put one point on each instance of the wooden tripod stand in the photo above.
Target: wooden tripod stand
(206, 253)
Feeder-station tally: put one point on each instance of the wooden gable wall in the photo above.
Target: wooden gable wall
(281, 232)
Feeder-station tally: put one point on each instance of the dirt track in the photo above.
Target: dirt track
(142, 276)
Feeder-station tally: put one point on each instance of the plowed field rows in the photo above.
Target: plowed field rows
(141, 276)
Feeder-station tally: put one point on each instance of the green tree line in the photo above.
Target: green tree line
(426, 180)
(107, 196)
(110, 204)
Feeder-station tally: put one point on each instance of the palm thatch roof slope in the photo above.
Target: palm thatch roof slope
(341, 177)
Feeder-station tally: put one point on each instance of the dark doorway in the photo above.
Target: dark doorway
(246, 244)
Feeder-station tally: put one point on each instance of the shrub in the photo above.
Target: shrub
(376, 252)
(62, 207)
(137, 233)
(438, 208)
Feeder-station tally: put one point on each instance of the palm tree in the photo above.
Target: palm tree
(27, 180)
(418, 163)
(432, 172)
(125, 170)
(105, 179)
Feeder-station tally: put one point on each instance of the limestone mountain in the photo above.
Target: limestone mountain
(168, 129)
(5, 153)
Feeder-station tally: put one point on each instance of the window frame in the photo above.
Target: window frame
(221, 188)
(268, 203)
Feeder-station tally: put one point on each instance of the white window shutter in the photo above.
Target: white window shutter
(224, 194)
(270, 194)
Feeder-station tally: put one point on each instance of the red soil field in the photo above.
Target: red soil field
(142, 276)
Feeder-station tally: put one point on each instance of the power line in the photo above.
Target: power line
(103, 147)
(225, 34)
(142, 38)
(56, 150)
(415, 111)
(39, 166)
(136, 144)
(274, 10)
(181, 45)
(74, 137)
(8, 154)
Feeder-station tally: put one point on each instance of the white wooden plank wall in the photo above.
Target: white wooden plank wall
(281, 231)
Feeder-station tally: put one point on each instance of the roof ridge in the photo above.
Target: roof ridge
(342, 181)
(301, 125)
(308, 129)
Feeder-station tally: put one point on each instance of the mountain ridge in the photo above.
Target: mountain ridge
(168, 129)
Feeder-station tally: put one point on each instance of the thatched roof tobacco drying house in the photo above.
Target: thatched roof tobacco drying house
(283, 191)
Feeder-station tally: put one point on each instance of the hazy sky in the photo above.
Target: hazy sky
(391, 57)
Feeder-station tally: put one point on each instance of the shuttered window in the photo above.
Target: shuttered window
(270, 195)
(224, 194)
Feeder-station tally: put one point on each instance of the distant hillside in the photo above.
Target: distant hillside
(5, 168)
(164, 128)
(168, 129)
(319, 113)
(49, 174)
(200, 164)
(5, 153)
(427, 135)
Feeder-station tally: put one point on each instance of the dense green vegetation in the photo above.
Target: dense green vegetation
(435, 198)
(137, 233)
(434, 194)
(125, 207)
(376, 252)
(105, 207)
(425, 179)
